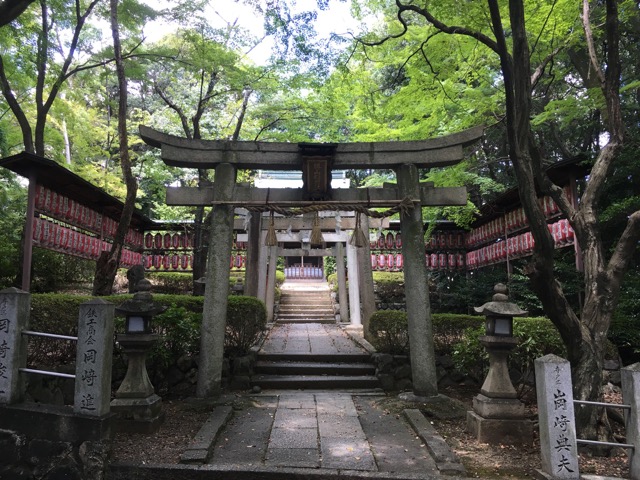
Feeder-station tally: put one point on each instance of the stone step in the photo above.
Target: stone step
(306, 312)
(310, 307)
(297, 319)
(315, 357)
(302, 382)
(302, 301)
(314, 368)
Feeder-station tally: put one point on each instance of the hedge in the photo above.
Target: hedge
(459, 335)
(179, 326)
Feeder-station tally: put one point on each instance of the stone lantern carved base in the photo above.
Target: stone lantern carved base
(139, 415)
(495, 431)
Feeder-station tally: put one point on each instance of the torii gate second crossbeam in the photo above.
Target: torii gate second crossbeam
(315, 159)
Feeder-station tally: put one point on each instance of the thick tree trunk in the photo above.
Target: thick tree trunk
(107, 265)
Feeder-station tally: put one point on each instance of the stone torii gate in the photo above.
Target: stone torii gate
(316, 162)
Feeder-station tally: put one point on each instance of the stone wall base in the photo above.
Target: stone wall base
(51, 442)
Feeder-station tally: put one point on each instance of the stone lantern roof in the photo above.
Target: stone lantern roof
(500, 304)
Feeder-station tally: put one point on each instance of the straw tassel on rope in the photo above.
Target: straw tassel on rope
(271, 239)
(358, 239)
(316, 232)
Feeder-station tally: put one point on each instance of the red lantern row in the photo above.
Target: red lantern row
(445, 261)
(520, 245)
(446, 240)
(167, 262)
(63, 208)
(513, 220)
(387, 242)
(66, 240)
(387, 261)
(168, 241)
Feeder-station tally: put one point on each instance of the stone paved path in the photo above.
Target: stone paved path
(334, 431)
(309, 338)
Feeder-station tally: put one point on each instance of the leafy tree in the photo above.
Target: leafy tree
(47, 42)
(528, 48)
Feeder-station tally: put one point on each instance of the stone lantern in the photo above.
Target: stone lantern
(498, 416)
(136, 404)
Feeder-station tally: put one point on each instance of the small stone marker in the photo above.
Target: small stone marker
(14, 317)
(93, 358)
(558, 443)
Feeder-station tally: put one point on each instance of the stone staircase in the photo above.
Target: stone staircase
(306, 349)
(305, 306)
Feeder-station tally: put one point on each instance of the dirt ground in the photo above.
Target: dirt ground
(185, 417)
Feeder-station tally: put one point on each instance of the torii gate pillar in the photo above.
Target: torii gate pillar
(214, 312)
(423, 363)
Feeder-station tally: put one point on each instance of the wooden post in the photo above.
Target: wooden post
(254, 245)
(271, 281)
(214, 315)
(27, 241)
(263, 260)
(342, 283)
(354, 287)
(367, 297)
(423, 362)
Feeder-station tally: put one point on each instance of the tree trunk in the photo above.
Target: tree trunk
(107, 265)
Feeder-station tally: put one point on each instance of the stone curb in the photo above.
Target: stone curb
(241, 472)
(355, 333)
(202, 445)
(446, 461)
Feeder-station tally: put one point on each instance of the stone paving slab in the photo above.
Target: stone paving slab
(245, 437)
(309, 339)
(347, 453)
(394, 444)
(290, 438)
(293, 457)
(295, 418)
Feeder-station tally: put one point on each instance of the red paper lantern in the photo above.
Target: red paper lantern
(175, 240)
(166, 261)
(175, 261)
(382, 261)
(381, 241)
(184, 261)
(452, 261)
(374, 260)
(157, 261)
(399, 259)
(167, 240)
(390, 263)
(390, 242)
(148, 241)
(433, 263)
(148, 262)
(398, 240)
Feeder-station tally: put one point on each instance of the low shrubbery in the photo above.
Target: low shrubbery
(246, 320)
(389, 331)
(170, 282)
(458, 335)
(538, 337)
(178, 326)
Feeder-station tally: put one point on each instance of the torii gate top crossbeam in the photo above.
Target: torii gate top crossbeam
(188, 153)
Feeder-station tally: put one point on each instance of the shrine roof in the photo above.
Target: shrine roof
(59, 179)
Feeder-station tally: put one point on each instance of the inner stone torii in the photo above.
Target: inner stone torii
(316, 162)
